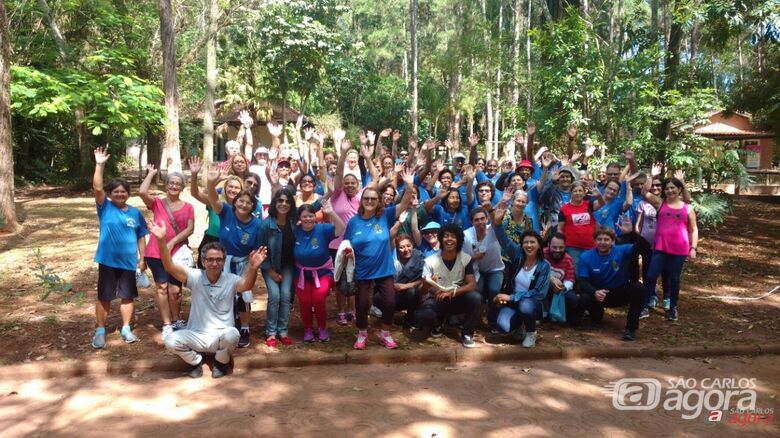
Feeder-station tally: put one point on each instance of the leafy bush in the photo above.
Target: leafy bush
(711, 209)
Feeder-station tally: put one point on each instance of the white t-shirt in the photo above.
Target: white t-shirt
(212, 304)
(523, 279)
(489, 245)
(265, 184)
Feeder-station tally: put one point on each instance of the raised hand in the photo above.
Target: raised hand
(531, 128)
(590, 150)
(299, 123)
(338, 135)
(680, 174)
(631, 177)
(386, 132)
(157, 231)
(468, 172)
(362, 138)
(555, 175)
(449, 144)
(101, 156)
(371, 137)
(438, 165)
(474, 139)
(519, 138)
(572, 131)
(195, 165)
(576, 157)
(257, 257)
(625, 224)
(397, 136)
(346, 145)
(245, 118)
(275, 129)
(412, 143)
(408, 177)
(150, 169)
(399, 168)
(320, 136)
(366, 152)
(628, 154)
(273, 176)
(215, 173)
(308, 133)
(498, 213)
(327, 208)
(656, 169)
(546, 161)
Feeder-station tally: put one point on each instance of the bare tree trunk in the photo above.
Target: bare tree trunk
(168, 38)
(8, 219)
(413, 115)
(488, 78)
(453, 129)
(212, 10)
(693, 52)
(740, 59)
(654, 29)
(518, 17)
(528, 93)
(497, 118)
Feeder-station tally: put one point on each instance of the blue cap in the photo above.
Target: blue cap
(431, 226)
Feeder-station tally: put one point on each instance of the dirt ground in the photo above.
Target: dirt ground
(556, 398)
(741, 259)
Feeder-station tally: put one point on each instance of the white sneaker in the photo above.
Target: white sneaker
(530, 340)
(375, 312)
(167, 329)
(179, 325)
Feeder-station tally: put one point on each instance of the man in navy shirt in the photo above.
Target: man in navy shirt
(604, 281)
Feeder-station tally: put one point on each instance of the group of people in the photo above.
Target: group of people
(392, 233)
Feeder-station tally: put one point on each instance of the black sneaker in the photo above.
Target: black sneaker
(436, 332)
(219, 369)
(629, 335)
(243, 340)
(671, 315)
(468, 341)
(196, 371)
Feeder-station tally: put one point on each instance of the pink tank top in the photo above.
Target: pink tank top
(671, 234)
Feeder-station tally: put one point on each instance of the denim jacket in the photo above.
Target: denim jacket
(540, 282)
(271, 238)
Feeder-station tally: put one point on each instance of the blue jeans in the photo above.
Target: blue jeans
(670, 266)
(489, 285)
(278, 313)
(575, 255)
(528, 310)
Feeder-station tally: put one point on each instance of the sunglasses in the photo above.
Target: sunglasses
(283, 201)
(250, 183)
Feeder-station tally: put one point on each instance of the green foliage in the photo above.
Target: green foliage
(711, 209)
(52, 282)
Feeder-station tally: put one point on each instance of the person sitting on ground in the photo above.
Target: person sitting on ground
(603, 280)
(561, 270)
(526, 282)
(408, 277)
(485, 251)
(210, 326)
(449, 288)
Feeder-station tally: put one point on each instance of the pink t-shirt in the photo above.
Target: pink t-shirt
(182, 216)
(671, 234)
(345, 208)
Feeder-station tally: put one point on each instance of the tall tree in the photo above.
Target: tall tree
(7, 208)
(212, 11)
(413, 11)
(168, 39)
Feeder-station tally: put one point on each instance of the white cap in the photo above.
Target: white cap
(261, 150)
(539, 153)
(458, 155)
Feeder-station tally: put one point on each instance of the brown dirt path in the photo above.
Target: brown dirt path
(556, 398)
(742, 258)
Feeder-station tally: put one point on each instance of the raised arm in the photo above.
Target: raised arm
(143, 191)
(177, 271)
(195, 166)
(406, 200)
(414, 224)
(529, 142)
(335, 219)
(366, 151)
(430, 203)
(248, 278)
(686, 195)
(468, 181)
(572, 136)
(276, 131)
(380, 149)
(345, 146)
(473, 154)
(394, 150)
(511, 249)
(214, 175)
(97, 179)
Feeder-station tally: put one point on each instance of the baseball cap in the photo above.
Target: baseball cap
(525, 163)
(459, 156)
(261, 150)
(539, 153)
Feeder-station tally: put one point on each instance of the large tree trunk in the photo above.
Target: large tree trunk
(453, 123)
(413, 11)
(528, 93)
(168, 39)
(518, 17)
(671, 73)
(8, 220)
(212, 9)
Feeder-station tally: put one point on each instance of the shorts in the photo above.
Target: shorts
(113, 282)
(159, 273)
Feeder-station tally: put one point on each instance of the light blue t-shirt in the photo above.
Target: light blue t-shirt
(238, 238)
(119, 234)
(311, 247)
(608, 215)
(370, 239)
(606, 272)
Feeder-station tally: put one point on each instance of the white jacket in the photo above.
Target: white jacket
(344, 264)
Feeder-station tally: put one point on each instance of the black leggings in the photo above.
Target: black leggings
(384, 288)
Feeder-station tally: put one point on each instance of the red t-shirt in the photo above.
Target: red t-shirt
(182, 216)
(563, 270)
(579, 225)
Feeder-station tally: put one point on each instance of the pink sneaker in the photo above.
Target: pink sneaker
(387, 340)
(360, 343)
(323, 335)
(308, 336)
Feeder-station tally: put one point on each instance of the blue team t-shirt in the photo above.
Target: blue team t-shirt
(608, 215)
(606, 272)
(238, 238)
(311, 247)
(370, 239)
(459, 217)
(119, 234)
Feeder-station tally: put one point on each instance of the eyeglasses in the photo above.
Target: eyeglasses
(250, 183)
(371, 199)
(483, 190)
(214, 260)
(283, 201)
(175, 184)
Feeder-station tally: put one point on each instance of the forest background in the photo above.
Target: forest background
(640, 74)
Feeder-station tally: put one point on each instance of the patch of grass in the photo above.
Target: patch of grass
(50, 320)
(50, 281)
(9, 325)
